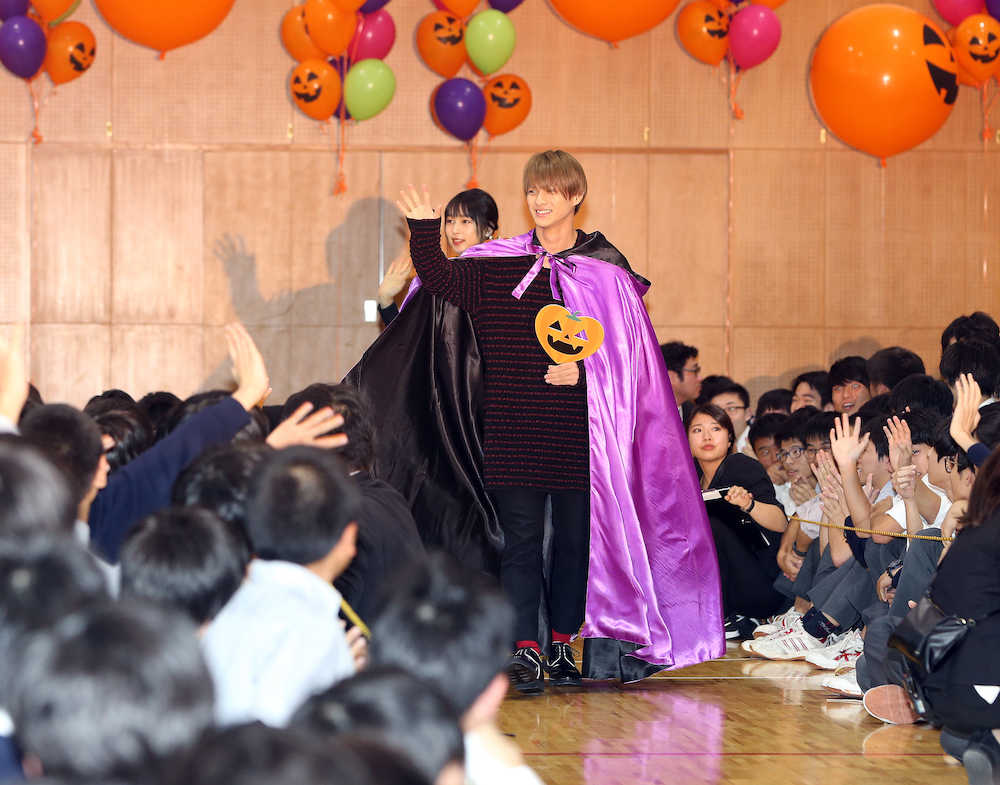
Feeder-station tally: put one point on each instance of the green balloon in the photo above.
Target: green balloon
(489, 40)
(368, 88)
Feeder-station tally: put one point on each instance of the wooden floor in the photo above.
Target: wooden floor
(734, 720)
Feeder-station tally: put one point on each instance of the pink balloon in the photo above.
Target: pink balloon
(374, 37)
(955, 11)
(754, 34)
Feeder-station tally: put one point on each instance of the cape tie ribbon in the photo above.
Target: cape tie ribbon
(555, 264)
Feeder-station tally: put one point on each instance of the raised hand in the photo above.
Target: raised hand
(312, 430)
(396, 278)
(904, 481)
(870, 491)
(232, 251)
(826, 472)
(835, 505)
(417, 206)
(900, 443)
(965, 418)
(252, 383)
(846, 443)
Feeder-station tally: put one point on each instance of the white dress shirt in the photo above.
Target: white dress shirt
(275, 643)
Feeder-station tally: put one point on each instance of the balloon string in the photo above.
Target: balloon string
(987, 109)
(162, 55)
(987, 132)
(474, 164)
(734, 85)
(36, 135)
(358, 28)
(341, 186)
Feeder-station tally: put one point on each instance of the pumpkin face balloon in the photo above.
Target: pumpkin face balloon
(508, 101)
(71, 51)
(315, 87)
(703, 30)
(295, 35)
(567, 337)
(977, 46)
(441, 42)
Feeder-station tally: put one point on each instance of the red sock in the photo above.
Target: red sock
(528, 645)
(559, 637)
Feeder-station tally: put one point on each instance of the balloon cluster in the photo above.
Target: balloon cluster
(449, 38)
(38, 38)
(339, 46)
(885, 78)
(748, 33)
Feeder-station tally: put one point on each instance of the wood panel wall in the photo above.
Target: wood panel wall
(771, 246)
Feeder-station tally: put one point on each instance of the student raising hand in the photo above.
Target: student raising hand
(965, 418)
(417, 206)
(252, 382)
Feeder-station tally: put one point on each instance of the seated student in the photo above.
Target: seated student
(975, 325)
(391, 706)
(920, 391)
(746, 521)
(888, 367)
(800, 484)
(387, 534)
(776, 401)
(978, 358)
(734, 400)
(255, 430)
(684, 372)
(277, 641)
(762, 436)
(452, 628)
(130, 434)
(811, 389)
(971, 425)
(35, 497)
(186, 559)
(109, 401)
(157, 407)
(107, 691)
(849, 384)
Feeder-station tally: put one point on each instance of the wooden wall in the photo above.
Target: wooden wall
(110, 224)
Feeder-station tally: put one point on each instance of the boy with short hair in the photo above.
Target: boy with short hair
(811, 388)
(889, 366)
(734, 400)
(849, 384)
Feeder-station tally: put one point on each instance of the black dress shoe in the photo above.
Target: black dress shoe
(562, 667)
(525, 671)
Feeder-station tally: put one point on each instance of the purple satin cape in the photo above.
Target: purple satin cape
(654, 575)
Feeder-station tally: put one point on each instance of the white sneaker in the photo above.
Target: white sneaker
(844, 652)
(792, 624)
(791, 644)
(777, 623)
(845, 684)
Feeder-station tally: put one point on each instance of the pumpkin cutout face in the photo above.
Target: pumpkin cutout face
(941, 65)
(703, 30)
(508, 101)
(977, 46)
(441, 42)
(448, 31)
(315, 87)
(70, 53)
(567, 337)
(716, 23)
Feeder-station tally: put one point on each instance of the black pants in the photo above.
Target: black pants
(747, 577)
(522, 518)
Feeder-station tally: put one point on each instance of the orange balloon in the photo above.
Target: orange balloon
(70, 52)
(614, 21)
(330, 27)
(977, 46)
(295, 35)
(884, 78)
(164, 24)
(350, 5)
(769, 3)
(703, 30)
(50, 10)
(441, 42)
(316, 89)
(508, 101)
(964, 77)
(461, 7)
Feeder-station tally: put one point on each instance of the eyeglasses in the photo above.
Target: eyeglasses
(733, 408)
(811, 451)
(792, 453)
(695, 370)
(950, 462)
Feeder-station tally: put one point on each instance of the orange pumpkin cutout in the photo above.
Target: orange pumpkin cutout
(508, 101)
(964, 77)
(567, 337)
(316, 89)
(977, 46)
(441, 42)
(295, 35)
(70, 52)
(703, 30)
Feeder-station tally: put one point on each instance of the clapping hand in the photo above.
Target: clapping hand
(900, 443)
(417, 206)
(846, 442)
(396, 278)
(965, 418)
(904, 481)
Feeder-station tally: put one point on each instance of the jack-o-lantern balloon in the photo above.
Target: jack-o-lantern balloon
(977, 46)
(70, 52)
(441, 42)
(964, 77)
(567, 337)
(884, 79)
(330, 27)
(315, 87)
(295, 35)
(508, 101)
(703, 30)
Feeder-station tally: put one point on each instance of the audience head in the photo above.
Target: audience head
(35, 497)
(792, 445)
(924, 427)
(811, 389)
(34, 399)
(875, 459)
(976, 356)
(557, 171)
(109, 401)
(158, 406)
(920, 391)
(887, 367)
(256, 430)
(943, 456)
(392, 707)
(108, 689)
(763, 438)
(186, 559)
(976, 325)
(729, 396)
(72, 441)
(988, 430)
(129, 430)
(347, 401)
(776, 401)
(303, 509)
(984, 498)
(849, 384)
(879, 406)
(815, 433)
(470, 218)
(451, 628)
(683, 370)
(711, 435)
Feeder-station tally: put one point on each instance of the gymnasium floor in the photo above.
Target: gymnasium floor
(733, 720)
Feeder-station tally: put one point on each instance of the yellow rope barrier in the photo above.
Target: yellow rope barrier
(904, 535)
(352, 615)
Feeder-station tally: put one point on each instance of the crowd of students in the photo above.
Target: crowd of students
(845, 500)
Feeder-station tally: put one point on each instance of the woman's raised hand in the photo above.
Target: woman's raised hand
(417, 205)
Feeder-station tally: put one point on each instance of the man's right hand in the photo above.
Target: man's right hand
(252, 383)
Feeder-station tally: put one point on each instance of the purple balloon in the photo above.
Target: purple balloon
(341, 64)
(754, 34)
(371, 6)
(993, 6)
(22, 46)
(9, 8)
(460, 108)
(505, 6)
